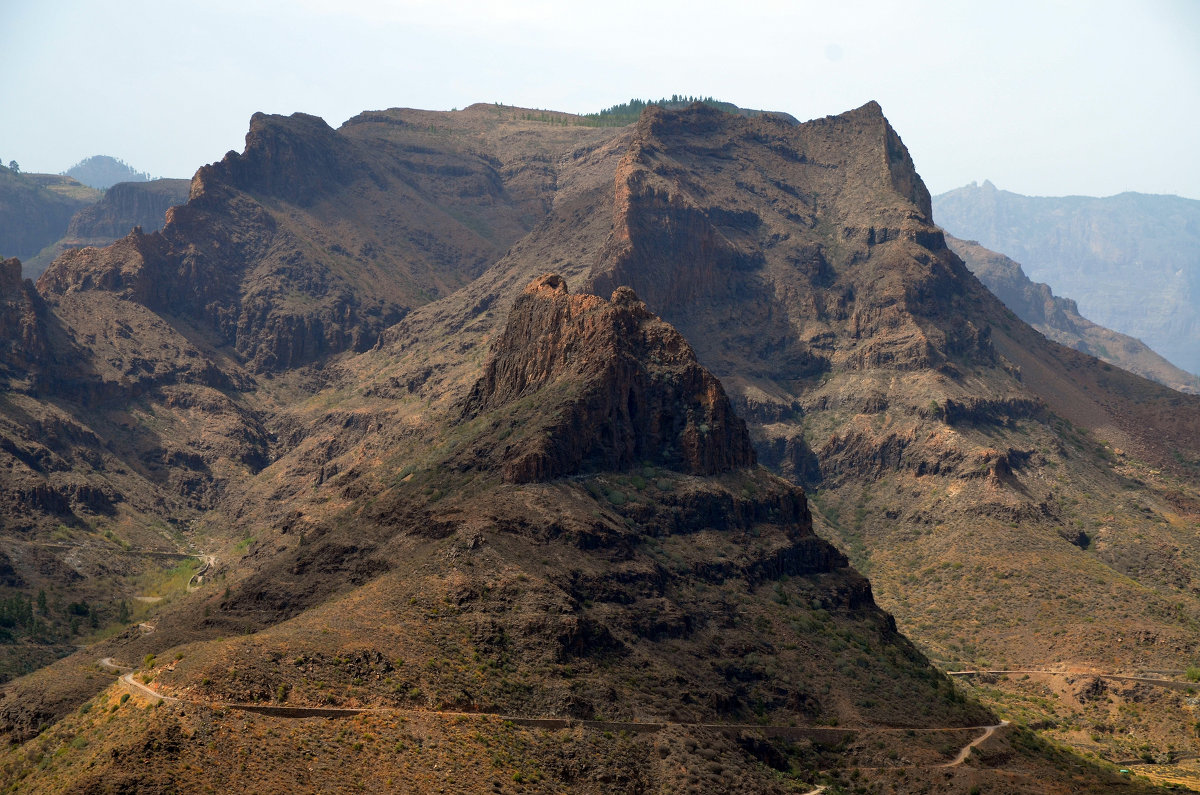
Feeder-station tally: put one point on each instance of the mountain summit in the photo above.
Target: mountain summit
(102, 172)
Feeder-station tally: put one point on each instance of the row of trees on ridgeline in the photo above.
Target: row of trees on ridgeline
(619, 115)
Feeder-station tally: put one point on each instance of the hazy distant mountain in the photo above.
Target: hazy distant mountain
(123, 206)
(36, 208)
(102, 171)
(1131, 261)
(1059, 319)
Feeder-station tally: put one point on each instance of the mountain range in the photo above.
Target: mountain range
(470, 418)
(1129, 261)
(1059, 318)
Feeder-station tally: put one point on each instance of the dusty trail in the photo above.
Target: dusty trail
(1171, 684)
(966, 751)
(126, 674)
(198, 578)
(825, 734)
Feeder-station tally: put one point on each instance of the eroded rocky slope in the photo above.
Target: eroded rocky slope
(543, 501)
(123, 207)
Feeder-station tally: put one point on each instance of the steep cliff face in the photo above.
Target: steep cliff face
(297, 158)
(603, 385)
(788, 253)
(1059, 318)
(312, 241)
(802, 264)
(831, 231)
(126, 205)
(222, 260)
(22, 322)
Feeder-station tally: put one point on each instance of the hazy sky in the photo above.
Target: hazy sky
(1084, 96)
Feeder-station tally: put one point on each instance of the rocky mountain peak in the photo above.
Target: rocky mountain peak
(10, 274)
(295, 158)
(595, 384)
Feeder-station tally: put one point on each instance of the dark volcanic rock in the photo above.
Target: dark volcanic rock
(312, 241)
(296, 158)
(609, 385)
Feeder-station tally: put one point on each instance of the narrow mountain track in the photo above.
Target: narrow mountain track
(198, 578)
(971, 746)
(1171, 684)
(820, 734)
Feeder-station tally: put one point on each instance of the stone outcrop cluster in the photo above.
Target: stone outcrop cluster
(612, 385)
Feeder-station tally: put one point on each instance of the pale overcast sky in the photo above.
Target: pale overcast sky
(1042, 97)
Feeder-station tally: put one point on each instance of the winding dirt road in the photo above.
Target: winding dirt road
(969, 747)
(1170, 684)
(821, 734)
(198, 578)
(126, 673)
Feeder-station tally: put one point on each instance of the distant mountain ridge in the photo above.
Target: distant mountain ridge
(1131, 261)
(1059, 319)
(36, 208)
(102, 171)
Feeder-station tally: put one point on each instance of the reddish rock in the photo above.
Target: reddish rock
(605, 385)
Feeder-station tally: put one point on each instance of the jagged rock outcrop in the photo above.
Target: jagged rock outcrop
(297, 158)
(314, 240)
(829, 232)
(22, 321)
(607, 385)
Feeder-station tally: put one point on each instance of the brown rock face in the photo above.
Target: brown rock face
(22, 323)
(126, 205)
(313, 241)
(824, 236)
(607, 385)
